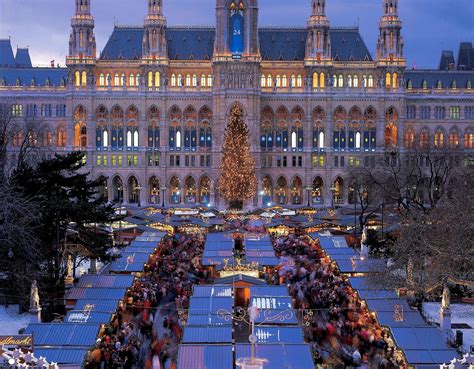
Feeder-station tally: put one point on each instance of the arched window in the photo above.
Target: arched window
(263, 81)
(205, 128)
(409, 138)
(355, 121)
(173, 80)
(454, 138)
(349, 81)
(439, 138)
(454, 84)
(370, 130)
(395, 81)
(355, 81)
(269, 81)
(123, 80)
(371, 81)
(178, 139)
(335, 81)
(319, 116)
(117, 120)
(339, 135)
(391, 127)
(341, 81)
(364, 81)
(195, 81)
(266, 128)
(278, 81)
(281, 136)
(153, 118)
(102, 80)
(410, 84)
(209, 80)
(137, 80)
(315, 80)
(188, 80)
(439, 85)
(157, 79)
(190, 129)
(131, 80)
(77, 78)
(322, 80)
(150, 79)
(469, 138)
(175, 118)
(299, 81)
(105, 138)
(116, 80)
(180, 80)
(293, 81)
(203, 80)
(61, 137)
(297, 135)
(132, 128)
(84, 79)
(80, 127)
(424, 138)
(284, 81)
(388, 81)
(424, 85)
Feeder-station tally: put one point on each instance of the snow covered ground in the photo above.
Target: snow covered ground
(460, 313)
(11, 321)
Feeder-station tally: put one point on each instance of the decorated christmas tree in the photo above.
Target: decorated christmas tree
(237, 181)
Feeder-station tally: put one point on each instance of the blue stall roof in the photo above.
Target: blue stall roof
(214, 334)
(269, 291)
(376, 294)
(207, 320)
(105, 306)
(378, 305)
(334, 242)
(124, 267)
(410, 319)
(95, 293)
(63, 334)
(62, 355)
(205, 357)
(206, 305)
(280, 356)
(423, 345)
(359, 265)
(212, 291)
(106, 281)
(133, 257)
(80, 316)
(241, 278)
(271, 303)
(279, 334)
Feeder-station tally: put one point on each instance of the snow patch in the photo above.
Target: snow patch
(10, 321)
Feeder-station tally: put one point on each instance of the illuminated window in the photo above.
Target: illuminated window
(269, 81)
(77, 78)
(341, 81)
(278, 81)
(209, 80)
(188, 80)
(395, 80)
(315, 80)
(263, 81)
(388, 81)
(284, 81)
(116, 80)
(203, 80)
(454, 112)
(173, 80)
(123, 81)
(349, 80)
(293, 81)
(102, 80)
(322, 80)
(195, 80)
(371, 81)
(157, 79)
(150, 79)
(137, 83)
(334, 78)
(180, 80)
(299, 81)
(84, 78)
(355, 81)
(131, 79)
(424, 85)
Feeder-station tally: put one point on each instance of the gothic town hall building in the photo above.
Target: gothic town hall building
(150, 111)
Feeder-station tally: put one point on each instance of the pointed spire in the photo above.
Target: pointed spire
(154, 38)
(390, 42)
(83, 7)
(82, 44)
(318, 44)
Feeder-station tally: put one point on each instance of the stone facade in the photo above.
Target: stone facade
(150, 112)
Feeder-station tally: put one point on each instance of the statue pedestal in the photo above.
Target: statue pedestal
(69, 281)
(445, 318)
(35, 314)
(364, 250)
(93, 266)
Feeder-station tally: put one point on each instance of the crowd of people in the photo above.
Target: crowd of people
(146, 332)
(343, 333)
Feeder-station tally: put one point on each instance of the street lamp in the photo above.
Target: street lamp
(163, 190)
(309, 188)
(139, 189)
(333, 191)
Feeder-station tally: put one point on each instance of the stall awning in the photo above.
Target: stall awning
(63, 334)
(280, 356)
(205, 357)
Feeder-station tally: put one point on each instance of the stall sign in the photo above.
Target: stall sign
(19, 340)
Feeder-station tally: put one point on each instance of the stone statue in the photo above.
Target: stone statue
(364, 236)
(69, 266)
(446, 301)
(34, 296)
(109, 80)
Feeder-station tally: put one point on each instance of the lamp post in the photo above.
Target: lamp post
(309, 188)
(138, 189)
(333, 192)
(163, 190)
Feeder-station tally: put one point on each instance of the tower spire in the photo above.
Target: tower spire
(82, 44)
(154, 41)
(318, 45)
(390, 42)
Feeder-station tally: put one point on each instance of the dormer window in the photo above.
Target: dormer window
(48, 82)
(18, 82)
(33, 82)
(454, 85)
(410, 84)
(469, 85)
(440, 85)
(424, 85)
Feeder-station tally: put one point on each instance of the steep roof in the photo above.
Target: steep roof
(6, 54)
(466, 56)
(22, 58)
(9, 76)
(197, 43)
(447, 60)
(433, 76)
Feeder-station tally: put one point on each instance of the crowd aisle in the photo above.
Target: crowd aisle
(146, 332)
(343, 333)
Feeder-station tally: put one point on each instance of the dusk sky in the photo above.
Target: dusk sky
(428, 25)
